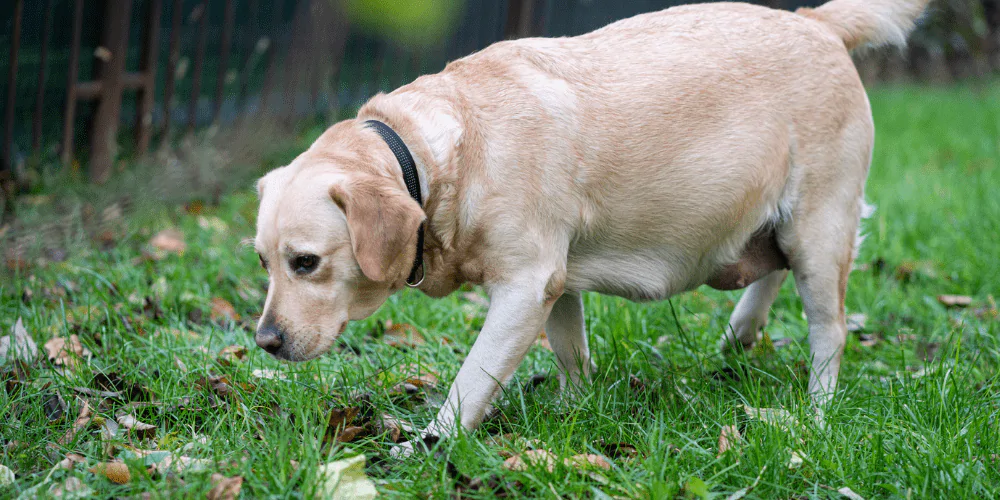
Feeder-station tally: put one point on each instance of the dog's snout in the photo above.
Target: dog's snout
(269, 338)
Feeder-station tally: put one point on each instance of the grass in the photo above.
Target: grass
(916, 416)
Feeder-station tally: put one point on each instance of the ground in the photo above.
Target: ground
(916, 414)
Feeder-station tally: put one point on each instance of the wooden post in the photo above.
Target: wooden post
(147, 68)
(8, 133)
(69, 118)
(43, 76)
(272, 49)
(199, 66)
(220, 81)
(245, 68)
(173, 57)
(104, 130)
(520, 16)
(6, 163)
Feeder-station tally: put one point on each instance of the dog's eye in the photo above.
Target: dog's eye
(304, 264)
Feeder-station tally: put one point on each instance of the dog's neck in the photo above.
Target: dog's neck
(433, 135)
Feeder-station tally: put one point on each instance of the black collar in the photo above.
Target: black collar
(409, 168)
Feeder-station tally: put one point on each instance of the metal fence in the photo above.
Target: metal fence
(100, 79)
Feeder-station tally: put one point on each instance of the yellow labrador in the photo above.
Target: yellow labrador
(718, 144)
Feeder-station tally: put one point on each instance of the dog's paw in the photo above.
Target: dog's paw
(407, 448)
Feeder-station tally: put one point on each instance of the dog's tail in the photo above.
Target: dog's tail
(873, 23)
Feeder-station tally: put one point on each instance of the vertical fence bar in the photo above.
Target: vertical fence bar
(104, 129)
(272, 49)
(220, 81)
(199, 66)
(148, 66)
(69, 116)
(8, 133)
(293, 67)
(173, 57)
(245, 71)
(43, 76)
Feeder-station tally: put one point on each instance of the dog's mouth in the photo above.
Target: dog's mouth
(285, 347)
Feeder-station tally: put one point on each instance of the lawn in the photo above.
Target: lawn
(916, 416)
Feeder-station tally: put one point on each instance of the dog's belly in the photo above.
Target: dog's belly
(656, 274)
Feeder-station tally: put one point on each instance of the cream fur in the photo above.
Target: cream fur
(642, 160)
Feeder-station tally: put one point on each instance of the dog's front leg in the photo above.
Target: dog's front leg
(517, 313)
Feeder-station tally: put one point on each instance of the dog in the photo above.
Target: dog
(723, 144)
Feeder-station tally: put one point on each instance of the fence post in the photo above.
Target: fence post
(220, 81)
(43, 76)
(69, 118)
(147, 67)
(173, 57)
(104, 130)
(199, 65)
(520, 17)
(6, 163)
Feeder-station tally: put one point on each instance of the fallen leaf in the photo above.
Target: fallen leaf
(267, 373)
(71, 488)
(729, 437)
(225, 488)
(223, 310)
(82, 421)
(344, 480)
(395, 428)
(849, 493)
(543, 340)
(856, 322)
(70, 461)
(6, 476)
(350, 434)
(530, 458)
(340, 420)
(18, 345)
(955, 300)
(617, 451)
(584, 460)
(55, 406)
(63, 352)
(169, 241)
(164, 461)
(777, 417)
(795, 461)
(136, 428)
(402, 335)
(116, 472)
(868, 340)
(232, 354)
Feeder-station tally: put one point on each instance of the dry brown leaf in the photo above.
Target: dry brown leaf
(395, 427)
(955, 300)
(729, 437)
(169, 240)
(116, 472)
(402, 335)
(350, 434)
(136, 428)
(425, 379)
(616, 451)
(82, 421)
(175, 463)
(225, 488)
(531, 458)
(63, 352)
(543, 340)
(850, 494)
(223, 310)
(232, 354)
(70, 461)
(18, 345)
(584, 460)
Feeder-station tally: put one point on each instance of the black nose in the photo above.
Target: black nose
(269, 338)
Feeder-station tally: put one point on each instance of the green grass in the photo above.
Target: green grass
(916, 416)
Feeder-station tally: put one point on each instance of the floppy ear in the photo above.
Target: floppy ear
(383, 221)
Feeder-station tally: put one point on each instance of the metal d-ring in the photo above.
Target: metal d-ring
(419, 281)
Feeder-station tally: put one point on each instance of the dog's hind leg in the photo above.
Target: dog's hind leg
(568, 336)
(751, 312)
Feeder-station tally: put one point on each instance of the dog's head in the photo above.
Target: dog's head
(337, 236)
